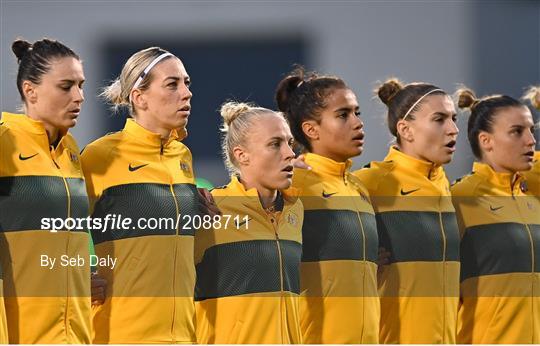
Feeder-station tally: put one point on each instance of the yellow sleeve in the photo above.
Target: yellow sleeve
(93, 162)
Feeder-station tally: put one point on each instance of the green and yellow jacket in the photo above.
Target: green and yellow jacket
(248, 270)
(500, 252)
(43, 304)
(132, 174)
(419, 289)
(338, 278)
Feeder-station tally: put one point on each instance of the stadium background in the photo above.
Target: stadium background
(241, 49)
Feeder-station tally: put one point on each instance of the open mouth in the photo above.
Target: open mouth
(529, 155)
(288, 169)
(451, 145)
(73, 114)
(186, 108)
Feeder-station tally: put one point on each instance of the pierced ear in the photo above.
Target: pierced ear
(241, 156)
(485, 141)
(29, 91)
(404, 130)
(138, 99)
(311, 129)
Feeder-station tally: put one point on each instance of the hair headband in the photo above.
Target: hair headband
(418, 101)
(146, 70)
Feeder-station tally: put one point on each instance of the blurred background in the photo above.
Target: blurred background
(240, 50)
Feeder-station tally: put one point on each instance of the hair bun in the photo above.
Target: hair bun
(389, 89)
(287, 86)
(284, 90)
(20, 47)
(232, 110)
(466, 98)
(533, 95)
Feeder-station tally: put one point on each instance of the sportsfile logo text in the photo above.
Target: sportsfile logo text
(118, 222)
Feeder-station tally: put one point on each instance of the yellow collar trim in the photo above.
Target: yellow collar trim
(328, 166)
(146, 136)
(425, 168)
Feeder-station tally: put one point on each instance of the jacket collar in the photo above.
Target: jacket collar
(425, 168)
(328, 166)
(29, 125)
(238, 189)
(506, 181)
(145, 136)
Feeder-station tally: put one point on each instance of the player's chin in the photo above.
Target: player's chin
(357, 151)
(283, 182)
(523, 165)
(443, 158)
(67, 124)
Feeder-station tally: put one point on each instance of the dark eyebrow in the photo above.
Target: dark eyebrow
(347, 109)
(71, 81)
(444, 114)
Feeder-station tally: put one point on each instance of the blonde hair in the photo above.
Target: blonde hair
(238, 119)
(533, 95)
(118, 92)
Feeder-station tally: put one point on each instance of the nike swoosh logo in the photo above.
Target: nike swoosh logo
(327, 195)
(243, 223)
(404, 193)
(496, 208)
(22, 158)
(134, 168)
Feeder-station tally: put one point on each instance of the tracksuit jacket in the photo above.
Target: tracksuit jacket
(419, 289)
(500, 248)
(248, 270)
(43, 304)
(133, 174)
(338, 278)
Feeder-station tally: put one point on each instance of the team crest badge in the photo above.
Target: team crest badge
(292, 219)
(73, 158)
(523, 186)
(184, 166)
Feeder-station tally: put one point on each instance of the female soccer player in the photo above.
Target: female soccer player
(339, 302)
(145, 173)
(248, 266)
(500, 226)
(419, 288)
(47, 300)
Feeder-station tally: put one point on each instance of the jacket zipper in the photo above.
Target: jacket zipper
(171, 188)
(278, 246)
(68, 196)
(444, 244)
(443, 233)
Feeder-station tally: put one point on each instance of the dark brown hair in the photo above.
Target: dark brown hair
(482, 113)
(302, 96)
(400, 98)
(35, 59)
